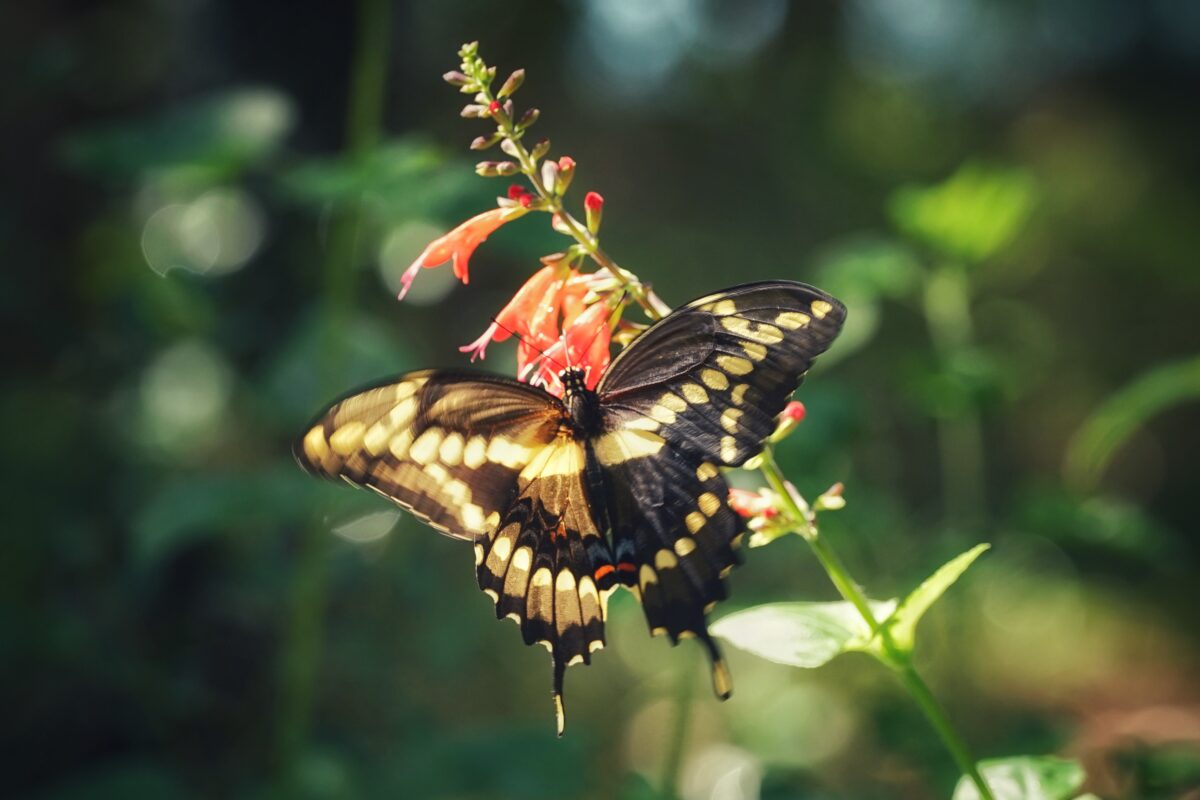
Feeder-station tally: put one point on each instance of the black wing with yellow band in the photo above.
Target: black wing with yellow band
(714, 374)
(701, 388)
(449, 447)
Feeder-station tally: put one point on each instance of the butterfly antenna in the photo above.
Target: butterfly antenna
(524, 340)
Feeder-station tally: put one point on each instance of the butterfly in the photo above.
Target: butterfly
(567, 499)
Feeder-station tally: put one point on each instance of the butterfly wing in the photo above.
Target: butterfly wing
(488, 459)
(448, 447)
(701, 388)
(541, 566)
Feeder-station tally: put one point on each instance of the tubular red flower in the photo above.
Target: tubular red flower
(583, 345)
(458, 245)
(516, 315)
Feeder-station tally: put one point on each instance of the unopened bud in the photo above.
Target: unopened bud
(549, 174)
(456, 78)
(510, 147)
(474, 111)
(494, 107)
(513, 83)
(566, 171)
(468, 50)
(493, 169)
(528, 118)
(593, 203)
(540, 149)
(484, 142)
(832, 500)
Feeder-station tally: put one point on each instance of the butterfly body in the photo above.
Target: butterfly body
(567, 499)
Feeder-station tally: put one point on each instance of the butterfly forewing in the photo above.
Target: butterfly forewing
(447, 446)
(712, 376)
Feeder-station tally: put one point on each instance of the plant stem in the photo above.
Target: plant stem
(892, 655)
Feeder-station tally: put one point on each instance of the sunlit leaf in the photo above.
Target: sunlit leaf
(799, 634)
(1096, 442)
(1026, 778)
(971, 215)
(903, 623)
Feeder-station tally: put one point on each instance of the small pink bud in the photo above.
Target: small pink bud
(566, 163)
(794, 411)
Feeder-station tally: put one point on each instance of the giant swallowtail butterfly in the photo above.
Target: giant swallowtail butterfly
(565, 500)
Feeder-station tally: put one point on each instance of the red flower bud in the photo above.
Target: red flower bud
(794, 411)
(593, 201)
(566, 163)
(494, 106)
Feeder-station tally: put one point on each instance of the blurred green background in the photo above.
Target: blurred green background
(206, 209)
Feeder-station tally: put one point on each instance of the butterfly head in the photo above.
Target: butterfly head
(581, 401)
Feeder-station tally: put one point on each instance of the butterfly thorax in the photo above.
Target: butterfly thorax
(582, 403)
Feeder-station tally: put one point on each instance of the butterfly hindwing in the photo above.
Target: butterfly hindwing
(540, 565)
(712, 376)
(447, 446)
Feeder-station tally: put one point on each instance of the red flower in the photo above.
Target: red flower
(584, 344)
(458, 245)
(593, 201)
(517, 316)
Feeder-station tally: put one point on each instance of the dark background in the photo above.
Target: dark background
(205, 209)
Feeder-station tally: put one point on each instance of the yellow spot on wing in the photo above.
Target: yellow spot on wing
(522, 559)
(820, 308)
(739, 392)
(722, 307)
(729, 449)
(564, 457)
(734, 365)
(647, 576)
(662, 414)
(673, 402)
(762, 332)
(706, 471)
(425, 447)
(709, 504)
(755, 350)
(665, 559)
(620, 446)
(792, 320)
(684, 545)
(714, 379)
(451, 451)
(475, 453)
(400, 444)
(694, 393)
(472, 517)
(541, 578)
(315, 446)
(509, 453)
(346, 439)
(502, 548)
(695, 521)
(565, 581)
(729, 419)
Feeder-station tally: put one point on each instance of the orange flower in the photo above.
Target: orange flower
(517, 316)
(458, 245)
(584, 344)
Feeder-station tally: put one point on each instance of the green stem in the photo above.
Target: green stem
(892, 655)
(308, 585)
(653, 307)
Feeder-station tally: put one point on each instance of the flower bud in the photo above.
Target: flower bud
(492, 169)
(549, 174)
(566, 171)
(468, 50)
(540, 149)
(473, 111)
(528, 118)
(513, 83)
(832, 500)
(510, 147)
(484, 142)
(593, 203)
(791, 416)
(494, 107)
(456, 78)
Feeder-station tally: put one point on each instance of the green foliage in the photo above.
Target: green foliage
(971, 215)
(806, 635)
(1027, 778)
(809, 635)
(1097, 441)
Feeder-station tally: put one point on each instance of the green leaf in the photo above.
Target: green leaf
(903, 623)
(1026, 778)
(1092, 448)
(799, 634)
(971, 215)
